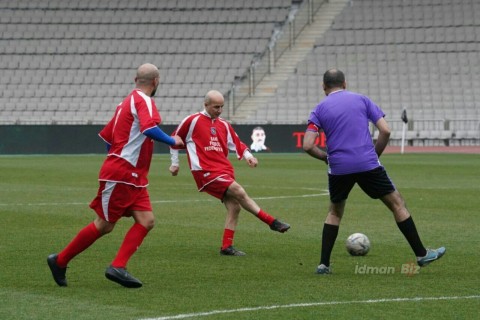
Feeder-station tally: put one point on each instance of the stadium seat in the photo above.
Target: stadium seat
(422, 57)
(70, 39)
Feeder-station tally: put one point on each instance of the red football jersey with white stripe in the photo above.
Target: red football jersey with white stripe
(130, 154)
(208, 142)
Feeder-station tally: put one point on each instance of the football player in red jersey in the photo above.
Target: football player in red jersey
(208, 141)
(129, 135)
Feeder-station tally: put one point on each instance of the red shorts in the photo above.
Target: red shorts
(115, 200)
(215, 184)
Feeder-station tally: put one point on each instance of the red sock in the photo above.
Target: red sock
(84, 239)
(227, 238)
(265, 217)
(133, 240)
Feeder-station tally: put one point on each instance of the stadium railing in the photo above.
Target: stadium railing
(263, 64)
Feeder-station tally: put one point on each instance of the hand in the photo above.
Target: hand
(252, 162)
(174, 170)
(178, 141)
(326, 159)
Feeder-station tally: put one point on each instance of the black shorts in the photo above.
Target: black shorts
(375, 183)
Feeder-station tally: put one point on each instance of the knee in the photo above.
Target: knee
(104, 227)
(334, 217)
(395, 202)
(144, 218)
(149, 224)
(232, 204)
(336, 211)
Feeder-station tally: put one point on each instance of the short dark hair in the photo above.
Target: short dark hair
(333, 78)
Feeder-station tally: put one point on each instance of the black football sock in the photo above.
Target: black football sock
(329, 236)
(410, 232)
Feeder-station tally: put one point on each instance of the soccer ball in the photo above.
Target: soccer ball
(358, 244)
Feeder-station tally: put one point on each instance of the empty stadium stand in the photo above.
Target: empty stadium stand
(421, 56)
(71, 62)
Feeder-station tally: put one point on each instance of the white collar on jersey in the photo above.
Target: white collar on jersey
(205, 113)
(337, 91)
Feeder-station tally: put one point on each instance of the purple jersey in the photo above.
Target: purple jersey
(344, 117)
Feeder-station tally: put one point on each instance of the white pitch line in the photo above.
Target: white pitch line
(160, 201)
(288, 197)
(311, 304)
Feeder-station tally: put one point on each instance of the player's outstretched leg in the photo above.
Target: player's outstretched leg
(236, 191)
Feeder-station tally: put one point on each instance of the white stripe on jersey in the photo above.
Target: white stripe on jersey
(148, 100)
(230, 144)
(131, 150)
(116, 119)
(191, 147)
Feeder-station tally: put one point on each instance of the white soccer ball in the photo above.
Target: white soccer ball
(358, 244)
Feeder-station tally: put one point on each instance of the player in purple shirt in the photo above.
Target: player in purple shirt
(353, 158)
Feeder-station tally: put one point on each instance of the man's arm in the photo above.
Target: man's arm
(157, 134)
(175, 162)
(181, 132)
(251, 160)
(311, 148)
(383, 136)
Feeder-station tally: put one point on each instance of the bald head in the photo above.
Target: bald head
(213, 103)
(213, 95)
(147, 72)
(333, 79)
(148, 78)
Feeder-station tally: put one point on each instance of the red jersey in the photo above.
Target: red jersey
(130, 153)
(208, 142)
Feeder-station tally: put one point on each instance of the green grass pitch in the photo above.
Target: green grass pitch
(44, 203)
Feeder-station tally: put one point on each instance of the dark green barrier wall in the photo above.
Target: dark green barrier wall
(58, 139)
(50, 139)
